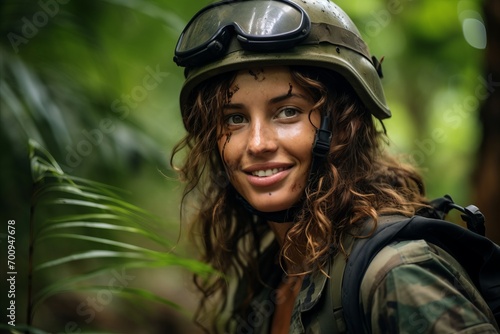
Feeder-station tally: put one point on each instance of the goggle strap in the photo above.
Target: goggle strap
(325, 33)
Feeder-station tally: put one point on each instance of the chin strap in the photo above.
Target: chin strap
(320, 150)
(321, 147)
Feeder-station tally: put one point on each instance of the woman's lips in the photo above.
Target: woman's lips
(266, 177)
(267, 172)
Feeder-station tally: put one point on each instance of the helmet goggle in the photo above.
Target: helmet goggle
(259, 25)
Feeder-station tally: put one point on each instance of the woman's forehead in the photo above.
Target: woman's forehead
(261, 76)
(261, 73)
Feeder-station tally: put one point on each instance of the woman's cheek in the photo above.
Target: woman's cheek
(303, 133)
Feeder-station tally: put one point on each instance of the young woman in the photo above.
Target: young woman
(285, 164)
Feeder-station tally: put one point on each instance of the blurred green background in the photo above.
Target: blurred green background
(94, 83)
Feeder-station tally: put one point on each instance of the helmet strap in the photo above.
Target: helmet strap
(320, 150)
(321, 147)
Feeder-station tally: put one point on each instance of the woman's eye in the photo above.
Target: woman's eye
(235, 119)
(287, 113)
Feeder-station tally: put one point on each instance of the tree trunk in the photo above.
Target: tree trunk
(487, 173)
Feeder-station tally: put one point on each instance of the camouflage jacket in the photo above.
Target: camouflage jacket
(409, 287)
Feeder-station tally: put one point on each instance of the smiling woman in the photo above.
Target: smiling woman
(286, 165)
(266, 139)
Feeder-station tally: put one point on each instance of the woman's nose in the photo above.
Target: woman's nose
(262, 138)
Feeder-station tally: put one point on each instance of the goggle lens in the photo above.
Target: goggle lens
(258, 24)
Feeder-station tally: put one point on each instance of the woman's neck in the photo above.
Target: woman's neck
(280, 230)
(292, 264)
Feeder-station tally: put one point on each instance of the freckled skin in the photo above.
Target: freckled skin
(269, 122)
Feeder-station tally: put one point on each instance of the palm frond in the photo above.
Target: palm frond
(97, 209)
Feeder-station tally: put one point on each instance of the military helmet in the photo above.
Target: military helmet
(236, 34)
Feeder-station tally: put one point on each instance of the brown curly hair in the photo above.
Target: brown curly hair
(359, 180)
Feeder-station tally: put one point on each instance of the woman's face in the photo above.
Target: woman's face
(267, 137)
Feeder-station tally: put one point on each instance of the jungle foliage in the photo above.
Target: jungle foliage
(90, 89)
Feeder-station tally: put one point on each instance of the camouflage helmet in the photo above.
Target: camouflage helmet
(236, 34)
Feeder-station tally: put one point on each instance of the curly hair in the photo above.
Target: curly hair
(358, 180)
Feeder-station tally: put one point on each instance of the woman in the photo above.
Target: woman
(285, 164)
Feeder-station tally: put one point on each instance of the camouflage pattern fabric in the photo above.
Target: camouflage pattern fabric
(416, 287)
(305, 310)
(410, 287)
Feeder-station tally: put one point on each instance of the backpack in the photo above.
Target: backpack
(479, 256)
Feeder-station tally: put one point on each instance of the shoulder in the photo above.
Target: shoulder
(417, 285)
(401, 253)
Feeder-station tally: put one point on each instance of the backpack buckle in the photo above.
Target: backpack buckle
(474, 218)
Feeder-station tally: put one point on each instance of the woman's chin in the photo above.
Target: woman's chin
(271, 205)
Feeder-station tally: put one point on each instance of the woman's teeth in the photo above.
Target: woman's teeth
(267, 172)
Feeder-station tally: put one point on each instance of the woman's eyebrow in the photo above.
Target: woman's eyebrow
(277, 99)
(287, 96)
(232, 106)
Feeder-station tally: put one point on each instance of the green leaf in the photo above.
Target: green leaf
(69, 283)
(102, 210)
(92, 254)
(98, 225)
(47, 161)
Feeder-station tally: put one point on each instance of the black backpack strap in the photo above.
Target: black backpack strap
(479, 256)
(363, 252)
(337, 276)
